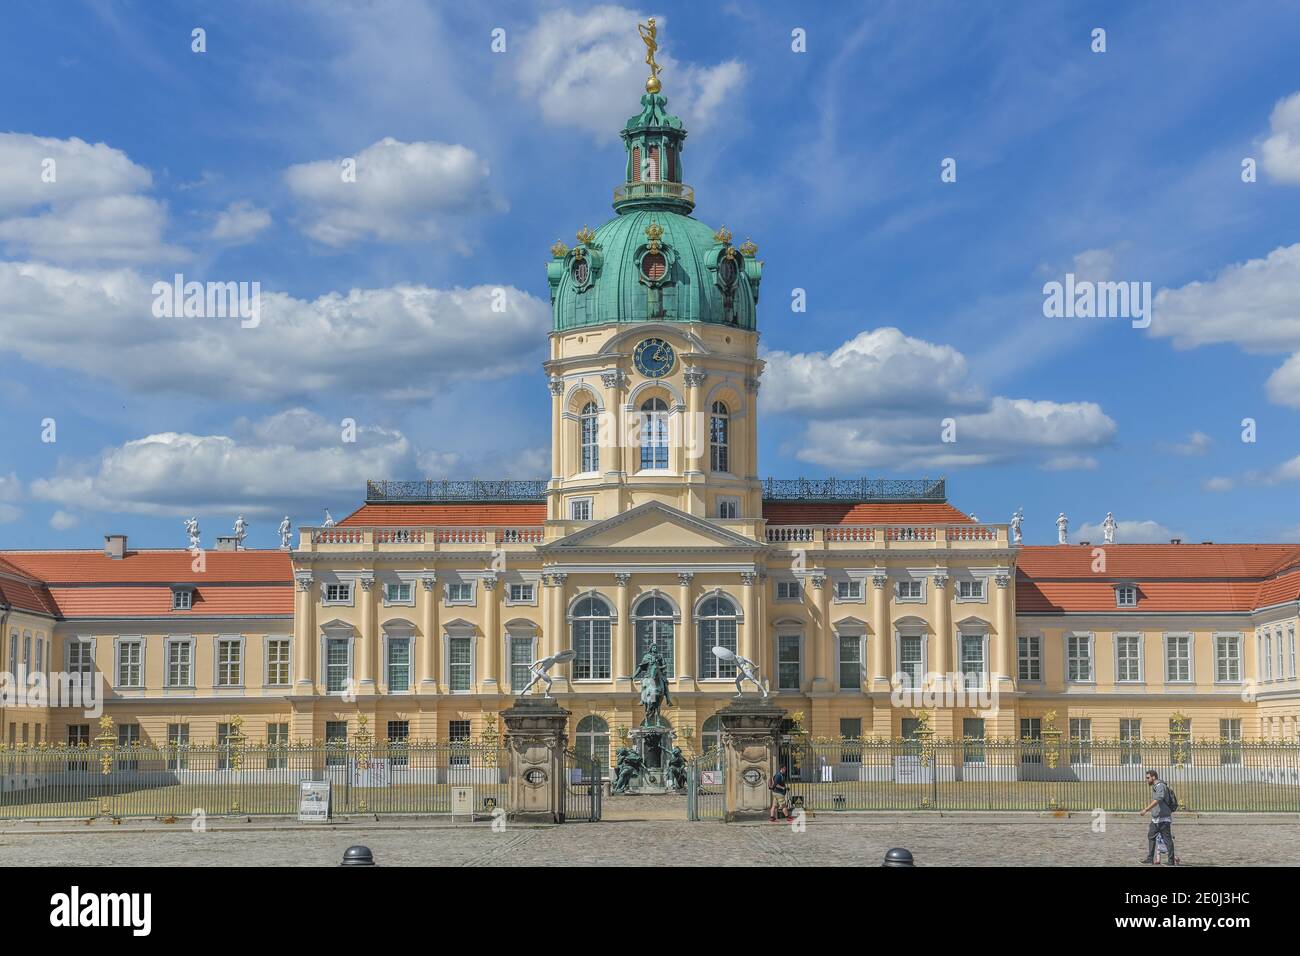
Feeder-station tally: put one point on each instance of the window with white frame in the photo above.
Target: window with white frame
(653, 624)
(1126, 595)
(339, 592)
(1130, 736)
(788, 591)
(851, 661)
(521, 659)
(789, 666)
(13, 650)
(910, 589)
(1230, 741)
(40, 653)
(589, 429)
(27, 651)
(970, 589)
(81, 657)
(1281, 669)
(1029, 657)
(717, 623)
(460, 663)
(398, 664)
(720, 438)
(590, 629)
(1266, 654)
(230, 662)
(460, 592)
(1290, 644)
(398, 592)
(521, 592)
(1227, 658)
(130, 662)
(654, 434)
(911, 659)
(1128, 658)
(277, 661)
(180, 663)
(848, 590)
(182, 599)
(973, 664)
(1078, 654)
(1080, 740)
(178, 742)
(972, 734)
(1178, 658)
(1031, 736)
(579, 509)
(728, 508)
(338, 664)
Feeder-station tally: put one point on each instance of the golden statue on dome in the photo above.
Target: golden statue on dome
(649, 32)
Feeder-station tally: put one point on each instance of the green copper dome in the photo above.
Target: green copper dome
(653, 262)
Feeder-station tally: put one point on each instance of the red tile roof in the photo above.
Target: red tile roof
(1169, 577)
(446, 515)
(21, 591)
(866, 512)
(164, 567)
(212, 600)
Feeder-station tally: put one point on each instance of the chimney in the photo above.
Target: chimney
(227, 543)
(1175, 540)
(115, 546)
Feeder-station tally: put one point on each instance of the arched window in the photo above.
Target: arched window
(654, 434)
(716, 622)
(589, 431)
(711, 734)
(590, 631)
(720, 438)
(654, 625)
(592, 739)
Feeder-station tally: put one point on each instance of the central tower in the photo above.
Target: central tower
(654, 365)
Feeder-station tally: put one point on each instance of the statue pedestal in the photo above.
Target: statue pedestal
(751, 744)
(654, 745)
(535, 742)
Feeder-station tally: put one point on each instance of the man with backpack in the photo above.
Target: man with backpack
(1162, 806)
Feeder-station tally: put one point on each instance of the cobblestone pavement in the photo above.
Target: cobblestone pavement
(839, 842)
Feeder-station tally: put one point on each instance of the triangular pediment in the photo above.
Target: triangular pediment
(653, 526)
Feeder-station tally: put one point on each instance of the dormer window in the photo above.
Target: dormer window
(182, 599)
(1126, 595)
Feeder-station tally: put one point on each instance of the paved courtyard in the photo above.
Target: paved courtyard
(827, 841)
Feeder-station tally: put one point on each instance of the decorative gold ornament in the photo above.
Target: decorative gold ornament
(586, 236)
(1051, 740)
(723, 235)
(106, 741)
(1179, 736)
(559, 250)
(749, 248)
(649, 36)
(654, 232)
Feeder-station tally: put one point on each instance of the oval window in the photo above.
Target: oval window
(727, 270)
(581, 271)
(653, 266)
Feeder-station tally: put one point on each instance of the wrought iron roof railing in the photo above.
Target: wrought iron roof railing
(774, 489)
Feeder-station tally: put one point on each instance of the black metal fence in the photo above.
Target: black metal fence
(183, 781)
(974, 774)
(584, 782)
(706, 793)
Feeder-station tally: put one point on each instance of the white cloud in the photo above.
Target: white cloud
(1070, 463)
(91, 211)
(11, 490)
(403, 192)
(240, 222)
(1128, 532)
(63, 520)
(881, 399)
(1218, 484)
(402, 342)
(1198, 443)
(586, 69)
(1280, 152)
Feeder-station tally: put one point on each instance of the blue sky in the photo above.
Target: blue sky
(924, 297)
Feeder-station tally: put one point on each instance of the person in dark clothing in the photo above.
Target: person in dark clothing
(778, 788)
(1162, 817)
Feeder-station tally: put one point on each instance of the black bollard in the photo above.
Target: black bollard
(898, 857)
(359, 856)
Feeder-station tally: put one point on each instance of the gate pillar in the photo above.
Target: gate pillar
(751, 743)
(536, 737)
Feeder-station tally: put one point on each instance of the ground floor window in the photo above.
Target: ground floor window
(277, 742)
(711, 734)
(972, 734)
(851, 731)
(1130, 736)
(592, 739)
(399, 732)
(1031, 739)
(1080, 740)
(336, 741)
(1230, 742)
(458, 734)
(128, 735)
(178, 738)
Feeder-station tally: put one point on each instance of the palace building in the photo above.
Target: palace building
(423, 608)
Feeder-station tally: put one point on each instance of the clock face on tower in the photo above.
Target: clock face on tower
(654, 358)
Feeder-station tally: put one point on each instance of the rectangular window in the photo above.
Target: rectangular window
(1130, 737)
(182, 599)
(1079, 657)
(521, 659)
(591, 639)
(78, 735)
(522, 593)
(1080, 740)
(399, 593)
(972, 732)
(1029, 653)
(851, 731)
(972, 659)
(337, 664)
(1126, 595)
(458, 733)
(128, 735)
(850, 662)
(79, 658)
(1227, 658)
(460, 592)
(336, 742)
(1031, 740)
(1178, 658)
(399, 732)
(850, 590)
(728, 507)
(1290, 643)
(40, 655)
(460, 652)
(911, 660)
(230, 663)
(1281, 668)
(277, 745)
(579, 509)
(277, 662)
(1268, 656)
(1230, 742)
(178, 738)
(130, 669)
(787, 662)
(717, 632)
(13, 651)
(972, 590)
(1128, 657)
(788, 591)
(338, 593)
(399, 664)
(180, 664)
(909, 590)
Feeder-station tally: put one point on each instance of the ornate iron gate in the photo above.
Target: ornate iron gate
(581, 788)
(706, 791)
